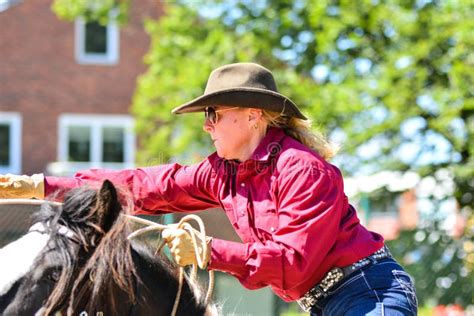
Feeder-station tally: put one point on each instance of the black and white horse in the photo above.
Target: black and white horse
(76, 260)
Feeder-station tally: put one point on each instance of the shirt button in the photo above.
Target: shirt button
(242, 184)
(272, 229)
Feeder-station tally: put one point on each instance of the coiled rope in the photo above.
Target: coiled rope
(200, 249)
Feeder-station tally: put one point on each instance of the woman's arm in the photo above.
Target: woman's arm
(159, 189)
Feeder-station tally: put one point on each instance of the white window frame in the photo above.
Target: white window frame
(113, 44)
(13, 119)
(96, 123)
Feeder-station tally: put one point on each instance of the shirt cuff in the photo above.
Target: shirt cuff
(228, 256)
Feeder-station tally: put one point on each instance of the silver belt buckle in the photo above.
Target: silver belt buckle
(306, 303)
(320, 290)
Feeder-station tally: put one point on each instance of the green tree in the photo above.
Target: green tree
(437, 262)
(92, 10)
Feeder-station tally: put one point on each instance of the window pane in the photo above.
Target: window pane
(79, 143)
(4, 145)
(113, 144)
(96, 38)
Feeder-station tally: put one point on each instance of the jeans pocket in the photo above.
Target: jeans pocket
(407, 284)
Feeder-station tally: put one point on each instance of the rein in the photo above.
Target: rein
(63, 230)
(151, 226)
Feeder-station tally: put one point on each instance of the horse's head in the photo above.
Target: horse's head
(86, 264)
(68, 236)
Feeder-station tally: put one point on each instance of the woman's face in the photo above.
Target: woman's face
(232, 133)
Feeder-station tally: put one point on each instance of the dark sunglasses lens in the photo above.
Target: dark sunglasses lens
(210, 114)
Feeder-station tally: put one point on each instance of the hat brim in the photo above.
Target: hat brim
(243, 97)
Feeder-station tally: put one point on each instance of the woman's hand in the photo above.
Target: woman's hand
(17, 187)
(183, 248)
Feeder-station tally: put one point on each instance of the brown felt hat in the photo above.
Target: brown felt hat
(246, 85)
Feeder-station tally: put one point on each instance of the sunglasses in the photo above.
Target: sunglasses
(211, 114)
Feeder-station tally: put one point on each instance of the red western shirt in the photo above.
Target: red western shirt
(286, 203)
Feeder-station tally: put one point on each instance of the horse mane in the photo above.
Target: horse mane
(111, 263)
(112, 271)
(103, 273)
(79, 215)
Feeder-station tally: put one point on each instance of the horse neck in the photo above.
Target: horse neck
(153, 282)
(160, 279)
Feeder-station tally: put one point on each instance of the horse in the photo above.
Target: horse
(88, 266)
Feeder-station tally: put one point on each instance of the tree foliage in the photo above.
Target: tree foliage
(446, 279)
(92, 10)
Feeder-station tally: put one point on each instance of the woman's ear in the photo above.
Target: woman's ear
(255, 115)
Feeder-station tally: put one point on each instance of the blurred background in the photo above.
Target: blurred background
(91, 83)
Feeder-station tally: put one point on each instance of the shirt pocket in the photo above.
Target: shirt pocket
(266, 222)
(230, 212)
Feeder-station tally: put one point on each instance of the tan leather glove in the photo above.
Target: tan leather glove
(22, 187)
(182, 247)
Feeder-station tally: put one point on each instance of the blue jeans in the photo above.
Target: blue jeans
(382, 288)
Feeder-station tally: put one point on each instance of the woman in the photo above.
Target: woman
(300, 235)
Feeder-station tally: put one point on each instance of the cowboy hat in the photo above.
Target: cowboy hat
(244, 85)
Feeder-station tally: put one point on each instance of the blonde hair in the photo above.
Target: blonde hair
(301, 131)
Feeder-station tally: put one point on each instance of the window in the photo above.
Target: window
(95, 38)
(113, 144)
(79, 143)
(87, 141)
(10, 142)
(96, 43)
(6, 4)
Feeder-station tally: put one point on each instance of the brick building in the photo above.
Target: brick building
(66, 88)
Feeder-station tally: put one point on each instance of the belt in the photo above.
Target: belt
(334, 277)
